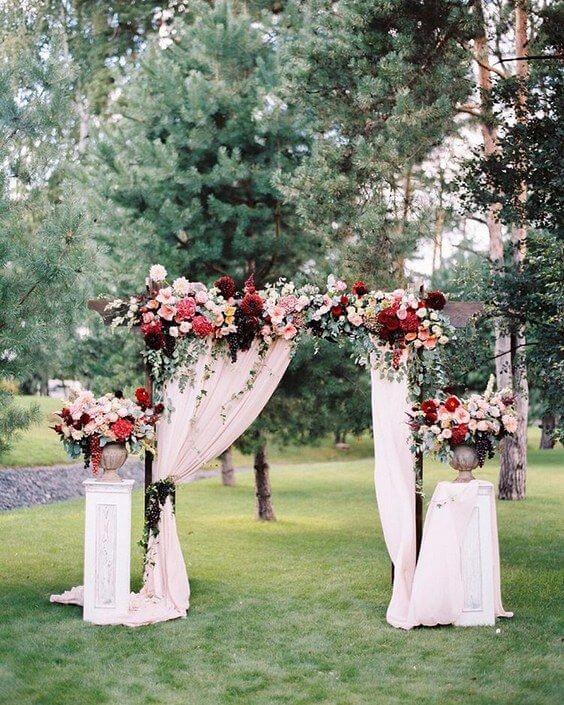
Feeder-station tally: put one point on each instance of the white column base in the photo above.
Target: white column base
(107, 550)
(476, 558)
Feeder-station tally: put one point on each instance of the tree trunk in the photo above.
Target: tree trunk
(227, 469)
(513, 470)
(548, 425)
(511, 370)
(263, 492)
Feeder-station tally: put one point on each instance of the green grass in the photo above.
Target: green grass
(38, 445)
(287, 613)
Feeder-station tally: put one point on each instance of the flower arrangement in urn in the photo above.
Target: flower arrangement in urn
(105, 429)
(463, 431)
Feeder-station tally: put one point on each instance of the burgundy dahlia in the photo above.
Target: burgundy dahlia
(435, 300)
(252, 305)
(226, 286)
(410, 324)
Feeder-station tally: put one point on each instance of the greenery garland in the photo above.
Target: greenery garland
(156, 495)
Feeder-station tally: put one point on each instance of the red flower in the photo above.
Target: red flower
(452, 403)
(152, 328)
(58, 428)
(250, 285)
(155, 341)
(428, 406)
(185, 309)
(143, 397)
(226, 286)
(388, 319)
(458, 434)
(431, 416)
(252, 304)
(159, 408)
(122, 429)
(436, 300)
(337, 311)
(410, 324)
(344, 300)
(202, 327)
(359, 288)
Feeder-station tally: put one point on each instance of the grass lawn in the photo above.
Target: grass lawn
(38, 445)
(288, 613)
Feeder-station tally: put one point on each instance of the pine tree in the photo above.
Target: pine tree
(381, 80)
(44, 251)
(188, 173)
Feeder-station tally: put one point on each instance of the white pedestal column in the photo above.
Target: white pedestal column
(107, 550)
(476, 557)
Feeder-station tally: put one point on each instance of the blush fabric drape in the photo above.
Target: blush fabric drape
(394, 480)
(220, 401)
(437, 596)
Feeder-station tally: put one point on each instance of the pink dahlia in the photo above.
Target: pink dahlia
(185, 309)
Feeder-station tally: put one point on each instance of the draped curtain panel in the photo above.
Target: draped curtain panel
(437, 596)
(221, 400)
(394, 479)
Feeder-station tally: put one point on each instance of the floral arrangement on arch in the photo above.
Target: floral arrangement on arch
(389, 323)
(175, 318)
(170, 314)
(440, 424)
(88, 423)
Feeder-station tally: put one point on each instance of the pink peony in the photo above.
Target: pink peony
(185, 309)
(201, 296)
(201, 326)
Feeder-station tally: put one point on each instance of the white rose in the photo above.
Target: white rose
(417, 343)
(443, 340)
(422, 312)
(173, 331)
(185, 327)
(436, 430)
(157, 273)
(446, 433)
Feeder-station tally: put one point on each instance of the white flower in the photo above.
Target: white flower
(185, 327)
(446, 433)
(443, 340)
(421, 312)
(157, 273)
(181, 286)
(417, 343)
(436, 430)
(173, 331)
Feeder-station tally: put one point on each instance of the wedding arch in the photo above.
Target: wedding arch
(214, 357)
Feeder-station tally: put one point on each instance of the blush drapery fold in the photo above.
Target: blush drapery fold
(394, 480)
(220, 401)
(437, 596)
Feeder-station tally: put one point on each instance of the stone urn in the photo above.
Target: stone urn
(113, 457)
(464, 459)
